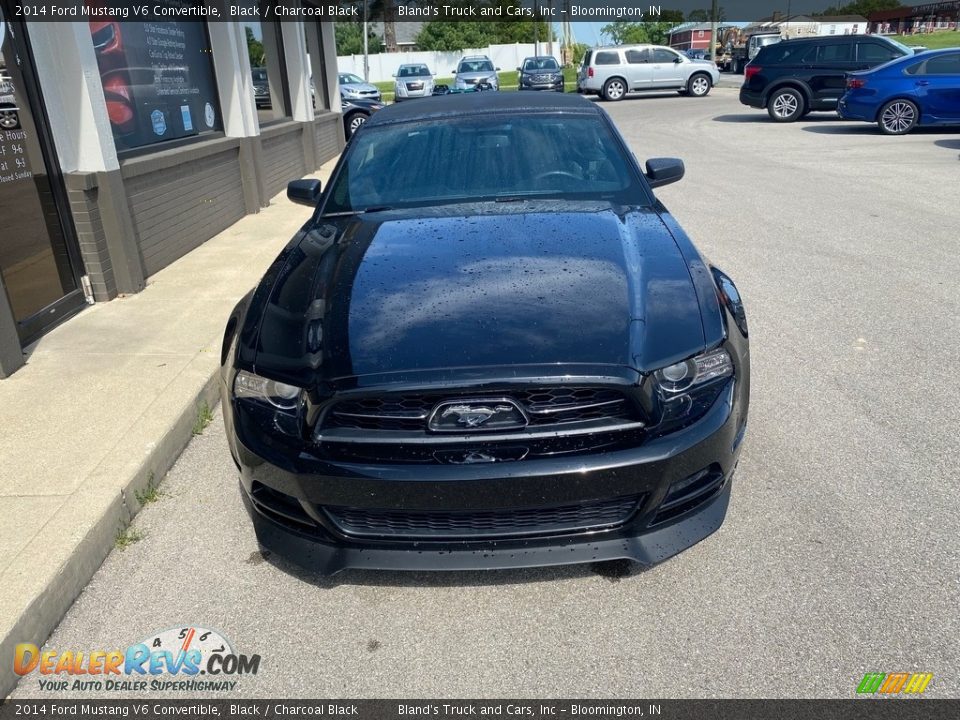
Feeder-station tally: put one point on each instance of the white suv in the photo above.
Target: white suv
(475, 69)
(612, 72)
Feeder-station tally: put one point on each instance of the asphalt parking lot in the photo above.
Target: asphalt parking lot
(840, 552)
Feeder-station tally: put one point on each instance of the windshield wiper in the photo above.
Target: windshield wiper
(348, 213)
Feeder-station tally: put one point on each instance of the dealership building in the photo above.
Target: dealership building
(125, 144)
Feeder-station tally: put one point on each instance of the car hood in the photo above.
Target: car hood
(359, 87)
(395, 292)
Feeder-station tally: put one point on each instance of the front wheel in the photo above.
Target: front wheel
(698, 85)
(354, 122)
(614, 89)
(785, 105)
(898, 117)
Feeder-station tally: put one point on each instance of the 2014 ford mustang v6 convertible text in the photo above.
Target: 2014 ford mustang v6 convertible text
(491, 346)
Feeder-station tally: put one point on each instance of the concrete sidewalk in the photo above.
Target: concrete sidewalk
(104, 406)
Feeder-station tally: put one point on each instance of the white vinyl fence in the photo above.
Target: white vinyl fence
(442, 64)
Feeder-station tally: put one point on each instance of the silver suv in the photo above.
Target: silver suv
(475, 69)
(612, 72)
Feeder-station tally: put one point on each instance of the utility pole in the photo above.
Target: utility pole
(550, 28)
(536, 33)
(366, 50)
(713, 31)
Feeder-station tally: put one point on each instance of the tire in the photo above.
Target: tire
(898, 117)
(698, 85)
(614, 89)
(353, 122)
(786, 105)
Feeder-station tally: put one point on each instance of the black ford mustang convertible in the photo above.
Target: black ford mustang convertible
(491, 346)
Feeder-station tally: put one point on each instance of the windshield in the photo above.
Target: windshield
(350, 79)
(413, 71)
(259, 75)
(472, 66)
(483, 158)
(540, 64)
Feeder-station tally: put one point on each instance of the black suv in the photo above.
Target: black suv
(794, 77)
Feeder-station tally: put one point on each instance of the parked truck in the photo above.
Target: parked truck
(738, 47)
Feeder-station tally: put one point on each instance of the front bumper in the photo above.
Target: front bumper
(651, 533)
(554, 86)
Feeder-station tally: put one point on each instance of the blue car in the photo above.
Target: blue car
(916, 90)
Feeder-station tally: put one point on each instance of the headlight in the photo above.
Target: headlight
(682, 376)
(688, 389)
(278, 394)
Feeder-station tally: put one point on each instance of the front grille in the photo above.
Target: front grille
(436, 525)
(543, 78)
(543, 406)
(414, 86)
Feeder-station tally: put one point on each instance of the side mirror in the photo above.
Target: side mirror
(304, 192)
(678, 59)
(498, 69)
(453, 72)
(663, 171)
(519, 70)
(394, 75)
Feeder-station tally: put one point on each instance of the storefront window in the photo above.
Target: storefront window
(157, 78)
(265, 47)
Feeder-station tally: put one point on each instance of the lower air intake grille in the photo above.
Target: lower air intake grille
(437, 525)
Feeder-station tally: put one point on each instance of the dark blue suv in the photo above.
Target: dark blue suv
(795, 77)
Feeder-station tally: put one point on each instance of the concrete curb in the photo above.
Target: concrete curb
(109, 511)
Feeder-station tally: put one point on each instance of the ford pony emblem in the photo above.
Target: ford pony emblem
(492, 414)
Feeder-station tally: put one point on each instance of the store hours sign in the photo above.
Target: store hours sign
(158, 79)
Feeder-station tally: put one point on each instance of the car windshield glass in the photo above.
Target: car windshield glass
(540, 64)
(483, 158)
(259, 75)
(471, 66)
(350, 79)
(414, 71)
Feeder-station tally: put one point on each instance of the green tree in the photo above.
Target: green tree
(453, 35)
(633, 33)
(622, 32)
(350, 39)
(578, 51)
(254, 49)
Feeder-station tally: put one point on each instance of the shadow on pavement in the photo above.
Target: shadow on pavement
(761, 116)
(948, 144)
(751, 118)
(845, 128)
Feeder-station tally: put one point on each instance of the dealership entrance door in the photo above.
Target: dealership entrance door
(39, 258)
